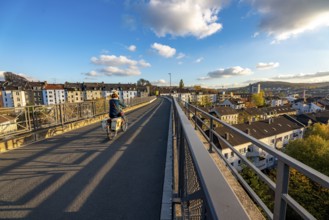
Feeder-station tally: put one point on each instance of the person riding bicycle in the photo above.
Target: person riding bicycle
(115, 106)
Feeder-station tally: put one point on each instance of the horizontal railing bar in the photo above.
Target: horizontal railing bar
(213, 183)
(297, 207)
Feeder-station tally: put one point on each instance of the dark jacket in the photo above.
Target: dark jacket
(115, 107)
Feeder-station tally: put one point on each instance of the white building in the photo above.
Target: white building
(234, 103)
(13, 97)
(53, 94)
(303, 107)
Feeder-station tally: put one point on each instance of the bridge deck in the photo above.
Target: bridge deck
(81, 175)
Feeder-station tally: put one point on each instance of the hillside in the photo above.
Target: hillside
(274, 85)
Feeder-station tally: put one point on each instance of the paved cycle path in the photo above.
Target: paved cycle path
(82, 175)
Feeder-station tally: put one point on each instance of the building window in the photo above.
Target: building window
(232, 154)
(226, 155)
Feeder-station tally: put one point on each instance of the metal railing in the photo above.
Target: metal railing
(284, 163)
(203, 192)
(20, 120)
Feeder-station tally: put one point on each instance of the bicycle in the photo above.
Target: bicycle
(113, 125)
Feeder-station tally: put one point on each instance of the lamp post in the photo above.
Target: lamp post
(170, 83)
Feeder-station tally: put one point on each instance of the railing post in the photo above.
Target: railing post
(62, 114)
(211, 137)
(195, 118)
(282, 183)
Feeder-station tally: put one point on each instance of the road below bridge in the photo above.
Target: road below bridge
(82, 175)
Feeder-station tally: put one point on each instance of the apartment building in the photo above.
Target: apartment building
(34, 93)
(13, 96)
(234, 103)
(53, 94)
(74, 92)
(92, 91)
(275, 132)
(226, 114)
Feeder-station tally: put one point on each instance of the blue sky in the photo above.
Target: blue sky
(212, 43)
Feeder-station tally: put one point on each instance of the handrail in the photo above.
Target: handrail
(282, 197)
(203, 190)
(23, 120)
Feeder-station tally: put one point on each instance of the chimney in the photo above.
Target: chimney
(227, 136)
(248, 131)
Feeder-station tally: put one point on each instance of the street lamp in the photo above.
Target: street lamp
(170, 83)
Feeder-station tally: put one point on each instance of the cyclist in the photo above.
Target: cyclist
(115, 106)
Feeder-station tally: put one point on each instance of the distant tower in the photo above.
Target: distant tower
(304, 95)
(258, 88)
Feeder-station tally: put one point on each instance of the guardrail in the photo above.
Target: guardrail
(280, 187)
(203, 192)
(20, 120)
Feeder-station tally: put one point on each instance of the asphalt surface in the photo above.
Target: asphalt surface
(82, 175)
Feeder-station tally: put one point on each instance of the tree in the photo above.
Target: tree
(143, 82)
(181, 84)
(313, 151)
(258, 99)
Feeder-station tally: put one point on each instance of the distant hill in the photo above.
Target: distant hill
(284, 85)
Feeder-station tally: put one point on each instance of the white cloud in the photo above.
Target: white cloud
(266, 66)
(143, 63)
(92, 73)
(255, 34)
(180, 56)
(1, 75)
(284, 19)
(182, 18)
(226, 73)
(159, 82)
(199, 60)
(301, 76)
(164, 50)
(132, 48)
(117, 65)
(112, 60)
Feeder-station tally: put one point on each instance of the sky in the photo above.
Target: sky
(212, 43)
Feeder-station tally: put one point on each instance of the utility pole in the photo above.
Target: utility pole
(170, 82)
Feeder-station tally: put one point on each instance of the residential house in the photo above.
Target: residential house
(35, 94)
(143, 91)
(274, 132)
(92, 91)
(306, 106)
(13, 96)
(256, 114)
(53, 94)
(315, 117)
(1, 91)
(127, 92)
(74, 92)
(234, 103)
(226, 114)
(274, 101)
